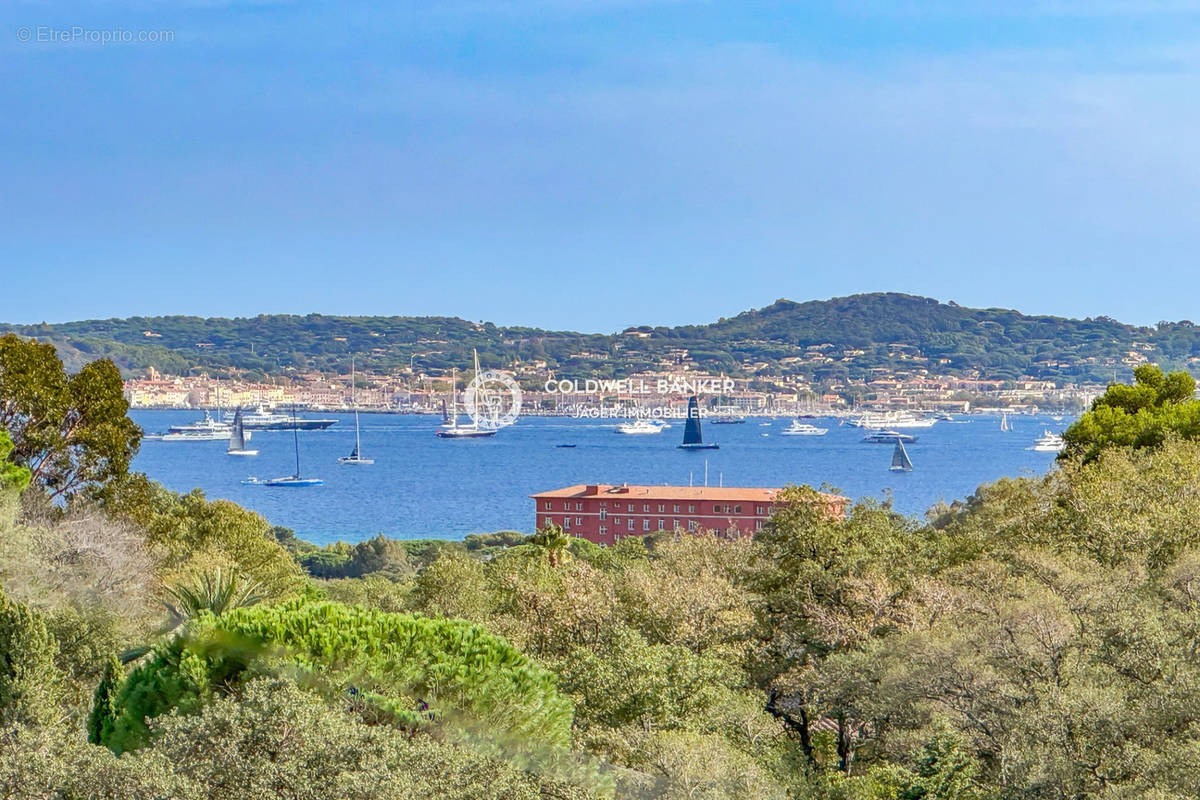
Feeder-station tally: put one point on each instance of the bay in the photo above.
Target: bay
(422, 486)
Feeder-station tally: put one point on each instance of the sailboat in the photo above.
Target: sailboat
(237, 438)
(693, 437)
(294, 480)
(1004, 426)
(355, 456)
(900, 460)
(451, 429)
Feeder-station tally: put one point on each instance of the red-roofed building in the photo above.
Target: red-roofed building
(603, 513)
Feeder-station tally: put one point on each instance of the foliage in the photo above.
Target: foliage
(29, 683)
(410, 670)
(196, 534)
(378, 555)
(1142, 415)
(216, 592)
(70, 431)
(270, 740)
(13, 477)
(881, 330)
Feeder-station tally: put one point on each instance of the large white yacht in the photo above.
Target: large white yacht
(264, 419)
(798, 428)
(639, 427)
(1048, 442)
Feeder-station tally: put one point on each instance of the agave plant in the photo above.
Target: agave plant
(217, 591)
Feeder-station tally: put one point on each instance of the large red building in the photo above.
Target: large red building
(604, 514)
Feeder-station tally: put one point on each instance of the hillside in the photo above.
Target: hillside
(844, 337)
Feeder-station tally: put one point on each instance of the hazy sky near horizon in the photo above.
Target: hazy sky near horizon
(591, 164)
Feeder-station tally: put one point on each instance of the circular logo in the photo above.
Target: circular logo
(493, 399)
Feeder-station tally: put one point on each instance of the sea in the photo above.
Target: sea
(421, 486)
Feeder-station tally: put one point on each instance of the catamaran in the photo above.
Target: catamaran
(355, 456)
(693, 437)
(237, 439)
(900, 459)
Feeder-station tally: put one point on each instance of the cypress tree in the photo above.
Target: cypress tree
(30, 685)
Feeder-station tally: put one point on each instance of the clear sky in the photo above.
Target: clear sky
(591, 164)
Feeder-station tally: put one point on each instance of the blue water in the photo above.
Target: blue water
(422, 486)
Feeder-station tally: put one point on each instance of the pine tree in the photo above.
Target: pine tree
(30, 685)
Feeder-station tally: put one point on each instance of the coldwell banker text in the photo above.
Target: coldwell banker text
(671, 386)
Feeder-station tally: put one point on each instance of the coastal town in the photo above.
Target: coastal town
(546, 392)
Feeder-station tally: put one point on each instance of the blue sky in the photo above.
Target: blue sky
(591, 164)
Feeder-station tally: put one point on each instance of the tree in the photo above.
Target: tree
(1137, 416)
(199, 535)
(552, 540)
(30, 686)
(410, 671)
(104, 704)
(71, 431)
(827, 585)
(12, 476)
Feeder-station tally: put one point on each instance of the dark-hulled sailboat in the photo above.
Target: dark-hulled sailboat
(356, 456)
(693, 437)
(294, 480)
(900, 460)
(237, 438)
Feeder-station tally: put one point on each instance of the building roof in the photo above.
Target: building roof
(744, 494)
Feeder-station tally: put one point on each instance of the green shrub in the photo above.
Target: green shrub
(407, 670)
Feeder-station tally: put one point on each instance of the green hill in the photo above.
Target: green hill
(844, 337)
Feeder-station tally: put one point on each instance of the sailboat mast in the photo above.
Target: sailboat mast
(296, 439)
(354, 402)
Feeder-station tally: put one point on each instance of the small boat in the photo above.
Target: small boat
(355, 456)
(798, 428)
(900, 460)
(638, 427)
(728, 415)
(1048, 442)
(564, 445)
(693, 436)
(294, 480)
(889, 437)
(237, 439)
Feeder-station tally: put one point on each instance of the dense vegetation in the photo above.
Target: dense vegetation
(819, 340)
(1156, 406)
(1036, 641)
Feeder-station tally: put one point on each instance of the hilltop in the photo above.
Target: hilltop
(835, 339)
